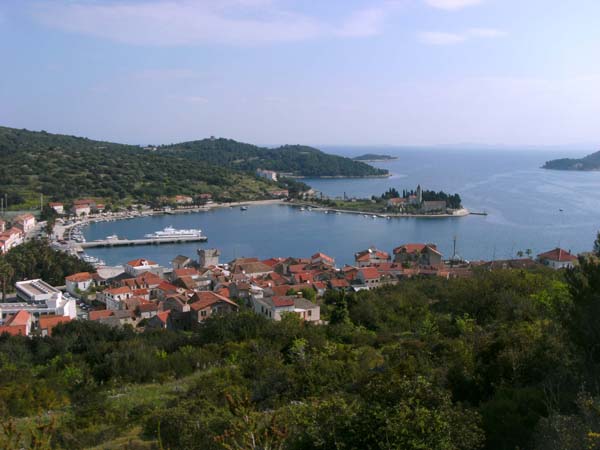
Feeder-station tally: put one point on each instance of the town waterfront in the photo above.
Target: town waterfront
(523, 203)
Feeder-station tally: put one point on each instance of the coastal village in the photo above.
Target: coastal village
(145, 295)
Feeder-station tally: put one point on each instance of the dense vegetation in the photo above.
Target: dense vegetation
(505, 360)
(373, 157)
(66, 167)
(296, 160)
(590, 162)
(36, 259)
(452, 200)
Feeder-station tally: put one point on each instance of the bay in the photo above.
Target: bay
(523, 203)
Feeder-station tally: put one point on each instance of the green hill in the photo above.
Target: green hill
(297, 160)
(590, 162)
(67, 167)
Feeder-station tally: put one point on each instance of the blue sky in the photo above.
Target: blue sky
(345, 72)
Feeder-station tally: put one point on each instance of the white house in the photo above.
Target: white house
(82, 209)
(371, 256)
(24, 222)
(141, 265)
(113, 298)
(58, 207)
(79, 282)
(558, 259)
(267, 174)
(274, 307)
(10, 239)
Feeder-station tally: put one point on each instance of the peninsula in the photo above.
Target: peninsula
(373, 157)
(408, 203)
(588, 163)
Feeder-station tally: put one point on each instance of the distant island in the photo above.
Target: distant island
(373, 157)
(588, 163)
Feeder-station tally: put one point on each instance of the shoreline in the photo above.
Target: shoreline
(463, 212)
(337, 177)
(61, 229)
(376, 160)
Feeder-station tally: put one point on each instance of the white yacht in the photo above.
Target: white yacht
(170, 232)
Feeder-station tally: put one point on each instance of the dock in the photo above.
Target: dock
(145, 241)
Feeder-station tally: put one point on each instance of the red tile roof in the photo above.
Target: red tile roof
(19, 330)
(224, 291)
(413, 248)
(141, 262)
(283, 289)
(163, 316)
(296, 268)
(272, 261)
(204, 299)
(148, 307)
(369, 273)
(49, 322)
(100, 314)
(187, 272)
(558, 254)
(366, 255)
(79, 277)
(339, 283)
(282, 301)
(20, 318)
(118, 290)
(167, 287)
(323, 256)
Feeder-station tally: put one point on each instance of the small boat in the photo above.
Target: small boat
(338, 213)
(112, 237)
(302, 208)
(374, 216)
(309, 209)
(365, 215)
(243, 208)
(388, 218)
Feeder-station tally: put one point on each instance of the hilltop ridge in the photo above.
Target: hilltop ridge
(295, 160)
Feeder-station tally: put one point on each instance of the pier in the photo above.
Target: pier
(145, 241)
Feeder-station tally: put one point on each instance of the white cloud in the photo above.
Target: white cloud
(444, 38)
(188, 22)
(452, 4)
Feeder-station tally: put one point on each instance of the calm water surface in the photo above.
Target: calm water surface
(523, 203)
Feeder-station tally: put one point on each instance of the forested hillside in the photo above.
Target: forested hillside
(67, 167)
(294, 159)
(505, 360)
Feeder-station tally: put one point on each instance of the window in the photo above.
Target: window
(203, 313)
(309, 312)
